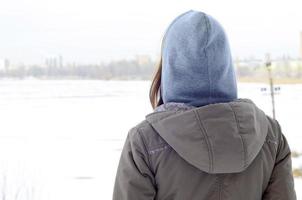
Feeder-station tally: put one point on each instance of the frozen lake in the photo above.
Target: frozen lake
(62, 139)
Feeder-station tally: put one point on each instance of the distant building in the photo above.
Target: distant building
(60, 61)
(54, 61)
(143, 59)
(4, 64)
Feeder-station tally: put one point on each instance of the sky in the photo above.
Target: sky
(94, 31)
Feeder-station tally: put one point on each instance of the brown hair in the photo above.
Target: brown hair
(155, 92)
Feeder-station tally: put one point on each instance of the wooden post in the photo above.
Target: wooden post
(268, 64)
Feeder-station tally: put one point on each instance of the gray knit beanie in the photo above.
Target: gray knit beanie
(197, 64)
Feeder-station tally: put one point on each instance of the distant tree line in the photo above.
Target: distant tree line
(279, 71)
(142, 69)
(121, 69)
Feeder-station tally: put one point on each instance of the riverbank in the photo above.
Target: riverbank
(276, 81)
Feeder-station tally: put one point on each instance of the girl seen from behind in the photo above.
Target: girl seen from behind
(202, 141)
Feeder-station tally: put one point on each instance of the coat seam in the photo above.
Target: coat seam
(146, 149)
(210, 152)
(161, 144)
(219, 187)
(221, 178)
(241, 138)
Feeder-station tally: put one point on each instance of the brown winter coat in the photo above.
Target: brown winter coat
(223, 151)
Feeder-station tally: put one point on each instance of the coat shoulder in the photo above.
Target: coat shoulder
(275, 137)
(274, 129)
(148, 135)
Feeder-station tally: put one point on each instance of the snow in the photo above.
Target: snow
(61, 139)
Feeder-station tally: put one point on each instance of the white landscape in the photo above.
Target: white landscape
(62, 139)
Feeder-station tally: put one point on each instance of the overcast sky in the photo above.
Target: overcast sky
(97, 30)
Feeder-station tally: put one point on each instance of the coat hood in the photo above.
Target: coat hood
(216, 138)
(197, 62)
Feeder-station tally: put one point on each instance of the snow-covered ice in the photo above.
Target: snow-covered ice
(62, 139)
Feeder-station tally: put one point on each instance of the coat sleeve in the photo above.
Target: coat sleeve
(281, 184)
(134, 179)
